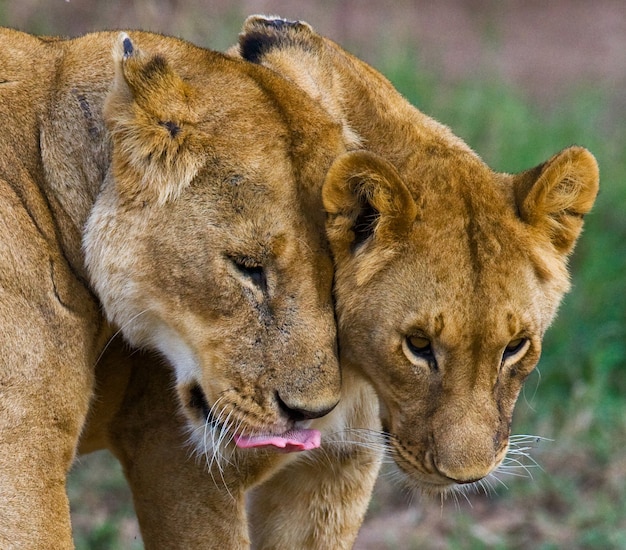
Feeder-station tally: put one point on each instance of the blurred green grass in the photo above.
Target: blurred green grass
(102, 511)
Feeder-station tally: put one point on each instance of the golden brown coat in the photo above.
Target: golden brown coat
(448, 275)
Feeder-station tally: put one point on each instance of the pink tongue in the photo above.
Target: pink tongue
(289, 442)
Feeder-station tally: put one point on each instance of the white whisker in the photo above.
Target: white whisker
(537, 374)
(518, 461)
(215, 457)
(117, 333)
(495, 477)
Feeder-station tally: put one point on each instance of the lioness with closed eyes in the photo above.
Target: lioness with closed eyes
(172, 195)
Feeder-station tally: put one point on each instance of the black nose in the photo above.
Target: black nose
(297, 413)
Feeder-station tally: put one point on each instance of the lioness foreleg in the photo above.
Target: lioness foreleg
(177, 502)
(48, 326)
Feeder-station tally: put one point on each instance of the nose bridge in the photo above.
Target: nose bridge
(473, 366)
(466, 421)
(308, 377)
(303, 334)
(462, 368)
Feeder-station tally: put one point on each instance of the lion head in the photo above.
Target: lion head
(448, 276)
(207, 243)
(447, 273)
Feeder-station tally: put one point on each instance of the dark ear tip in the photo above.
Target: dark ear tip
(271, 22)
(126, 45)
(280, 24)
(261, 34)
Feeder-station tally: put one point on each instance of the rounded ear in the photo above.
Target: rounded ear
(366, 201)
(555, 196)
(295, 51)
(148, 112)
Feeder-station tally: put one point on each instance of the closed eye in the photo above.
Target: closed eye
(251, 271)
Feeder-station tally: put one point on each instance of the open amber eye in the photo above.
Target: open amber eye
(419, 344)
(418, 349)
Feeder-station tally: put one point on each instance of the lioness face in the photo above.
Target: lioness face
(207, 244)
(447, 279)
(238, 299)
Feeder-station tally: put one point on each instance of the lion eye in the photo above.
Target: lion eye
(418, 349)
(514, 347)
(251, 271)
(419, 344)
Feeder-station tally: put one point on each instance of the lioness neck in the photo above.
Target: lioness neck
(364, 101)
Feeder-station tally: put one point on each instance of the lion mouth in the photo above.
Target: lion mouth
(294, 440)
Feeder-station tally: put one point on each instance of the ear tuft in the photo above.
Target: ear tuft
(366, 201)
(149, 112)
(555, 196)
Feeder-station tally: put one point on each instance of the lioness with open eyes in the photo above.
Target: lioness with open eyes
(447, 273)
(173, 195)
(447, 276)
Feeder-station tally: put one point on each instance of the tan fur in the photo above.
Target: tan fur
(432, 248)
(429, 244)
(448, 251)
(187, 500)
(173, 195)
